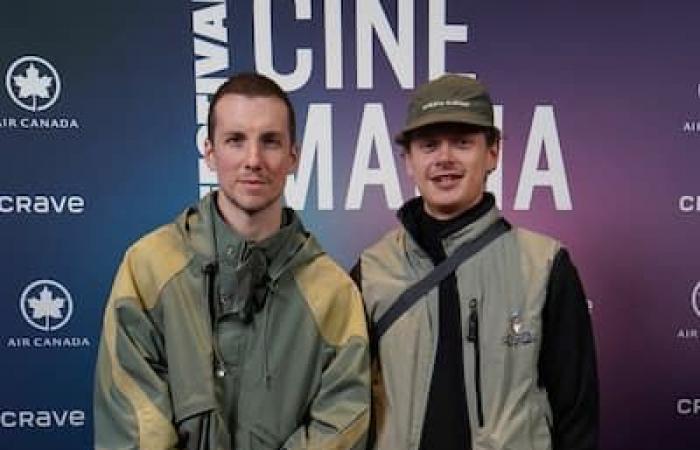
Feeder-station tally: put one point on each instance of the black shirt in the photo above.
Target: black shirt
(446, 423)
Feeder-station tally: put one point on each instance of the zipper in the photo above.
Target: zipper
(473, 337)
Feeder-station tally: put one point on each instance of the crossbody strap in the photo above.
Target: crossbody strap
(417, 290)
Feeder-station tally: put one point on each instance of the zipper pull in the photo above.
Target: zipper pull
(220, 370)
(473, 330)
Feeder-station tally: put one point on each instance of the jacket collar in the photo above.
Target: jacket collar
(452, 233)
(212, 240)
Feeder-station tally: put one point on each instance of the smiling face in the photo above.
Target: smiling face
(251, 152)
(449, 163)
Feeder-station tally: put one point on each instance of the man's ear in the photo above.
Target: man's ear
(294, 153)
(492, 162)
(209, 154)
(408, 163)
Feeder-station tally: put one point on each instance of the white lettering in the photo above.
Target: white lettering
(46, 123)
(59, 342)
(8, 419)
(42, 418)
(691, 127)
(76, 204)
(689, 203)
(210, 57)
(370, 17)
(333, 28)
(688, 406)
(23, 203)
(26, 419)
(6, 204)
(8, 122)
(373, 130)
(76, 418)
(59, 418)
(439, 32)
(317, 141)
(214, 57)
(262, 26)
(689, 333)
(41, 204)
(209, 22)
(543, 136)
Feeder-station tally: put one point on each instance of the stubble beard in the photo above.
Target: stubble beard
(250, 211)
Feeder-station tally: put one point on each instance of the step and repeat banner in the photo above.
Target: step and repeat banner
(102, 120)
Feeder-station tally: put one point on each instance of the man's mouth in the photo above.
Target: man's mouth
(447, 178)
(252, 181)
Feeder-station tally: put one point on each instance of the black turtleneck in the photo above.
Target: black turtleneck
(446, 424)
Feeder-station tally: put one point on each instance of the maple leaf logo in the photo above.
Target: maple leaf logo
(46, 306)
(32, 85)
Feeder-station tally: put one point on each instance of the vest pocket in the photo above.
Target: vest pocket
(473, 337)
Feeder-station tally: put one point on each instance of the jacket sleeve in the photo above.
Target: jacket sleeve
(339, 412)
(132, 408)
(567, 361)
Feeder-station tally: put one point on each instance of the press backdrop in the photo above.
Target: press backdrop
(102, 107)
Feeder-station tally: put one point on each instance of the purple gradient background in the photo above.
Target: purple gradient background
(623, 79)
(622, 76)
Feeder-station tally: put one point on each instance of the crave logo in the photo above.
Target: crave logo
(34, 85)
(688, 406)
(54, 418)
(46, 306)
(689, 203)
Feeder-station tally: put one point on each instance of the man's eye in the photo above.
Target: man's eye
(272, 142)
(465, 142)
(427, 146)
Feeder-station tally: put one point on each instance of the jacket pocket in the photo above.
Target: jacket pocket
(473, 337)
(262, 439)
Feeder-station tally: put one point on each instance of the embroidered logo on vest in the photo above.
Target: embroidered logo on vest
(516, 335)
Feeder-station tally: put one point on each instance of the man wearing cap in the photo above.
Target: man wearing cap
(480, 330)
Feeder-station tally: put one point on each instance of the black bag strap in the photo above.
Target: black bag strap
(417, 290)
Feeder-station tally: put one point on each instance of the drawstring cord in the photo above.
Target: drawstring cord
(209, 270)
(271, 288)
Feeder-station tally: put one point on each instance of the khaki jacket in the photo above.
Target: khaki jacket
(296, 376)
(504, 286)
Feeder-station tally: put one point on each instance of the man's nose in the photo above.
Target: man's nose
(444, 151)
(252, 157)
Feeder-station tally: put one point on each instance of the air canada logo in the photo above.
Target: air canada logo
(691, 331)
(33, 83)
(46, 305)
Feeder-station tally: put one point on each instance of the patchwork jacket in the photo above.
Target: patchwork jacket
(185, 363)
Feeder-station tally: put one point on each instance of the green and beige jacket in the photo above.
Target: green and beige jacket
(212, 342)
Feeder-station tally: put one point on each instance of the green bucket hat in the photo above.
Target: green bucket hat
(450, 98)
